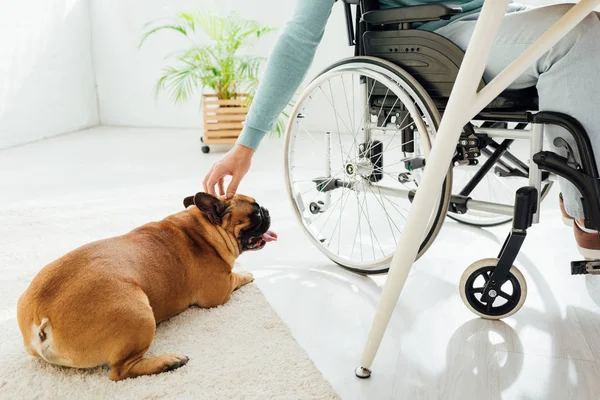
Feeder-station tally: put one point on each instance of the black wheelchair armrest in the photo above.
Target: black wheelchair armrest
(412, 14)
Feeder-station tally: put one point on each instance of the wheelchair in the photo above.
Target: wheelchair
(359, 136)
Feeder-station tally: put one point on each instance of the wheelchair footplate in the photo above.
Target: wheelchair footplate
(591, 267)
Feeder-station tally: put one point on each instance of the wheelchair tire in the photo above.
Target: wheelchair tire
(351, 167)
(469, 290)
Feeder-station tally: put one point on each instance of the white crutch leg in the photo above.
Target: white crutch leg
(439, 160)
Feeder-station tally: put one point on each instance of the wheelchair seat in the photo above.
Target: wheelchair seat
(516, 100)
(519, 99)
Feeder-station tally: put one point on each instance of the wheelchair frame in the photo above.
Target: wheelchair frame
(467, 90)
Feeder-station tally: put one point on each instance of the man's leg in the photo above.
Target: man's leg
(566, 76)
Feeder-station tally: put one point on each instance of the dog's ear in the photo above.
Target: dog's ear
(210, 206)
(188, 201)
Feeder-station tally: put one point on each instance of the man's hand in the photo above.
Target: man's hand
(236, 164)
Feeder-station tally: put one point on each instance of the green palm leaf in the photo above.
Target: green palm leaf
(215, 64)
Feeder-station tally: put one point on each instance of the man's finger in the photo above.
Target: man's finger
(221, 190)
(206, 178)
(212, 181)
(233, 185)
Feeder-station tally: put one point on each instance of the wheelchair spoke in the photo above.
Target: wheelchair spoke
(339, 223)
(506, 296)
(346, 100)
(475, 290)
(370, 227)
(329, 217)
(383, 124)
(338, 131)
(365, 111)
(389, 221)
(387, 92)
(337, 125)
(357, 234)
(403, 144)
(486, 276)
(310, 136)
(324, 183)
(397, 208)
(332, 104)
(372, 232)
(353, 103)
(399, 130)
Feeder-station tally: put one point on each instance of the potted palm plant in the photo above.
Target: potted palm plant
(218, 63)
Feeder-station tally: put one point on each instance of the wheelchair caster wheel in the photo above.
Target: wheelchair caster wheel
(503, 303)
(362, 373)
(205, 149)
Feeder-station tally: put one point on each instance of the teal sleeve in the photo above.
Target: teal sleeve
(286, 69)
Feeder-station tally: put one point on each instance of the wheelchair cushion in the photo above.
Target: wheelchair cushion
(510, 100)
(520, 99)
(411, 14)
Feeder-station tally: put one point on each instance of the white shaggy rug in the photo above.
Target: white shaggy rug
(241, 350)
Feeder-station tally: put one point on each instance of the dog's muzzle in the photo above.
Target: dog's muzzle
(259, 234)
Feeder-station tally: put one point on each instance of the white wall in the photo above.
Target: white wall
(46, 77)
(126, 76)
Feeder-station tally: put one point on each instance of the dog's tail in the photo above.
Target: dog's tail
(40, 333)
(40, 330)
(42, 345)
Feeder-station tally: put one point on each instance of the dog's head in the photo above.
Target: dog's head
(240, 216)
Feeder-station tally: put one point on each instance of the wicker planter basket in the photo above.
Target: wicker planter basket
(222, 120)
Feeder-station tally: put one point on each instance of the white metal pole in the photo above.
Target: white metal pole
(455, 117)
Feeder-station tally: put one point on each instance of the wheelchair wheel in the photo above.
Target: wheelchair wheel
(355, 152)
(510, 299)
(495, 187)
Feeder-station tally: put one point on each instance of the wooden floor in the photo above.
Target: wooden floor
(434, 348)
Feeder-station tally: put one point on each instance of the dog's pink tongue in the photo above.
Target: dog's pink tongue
(270, 236)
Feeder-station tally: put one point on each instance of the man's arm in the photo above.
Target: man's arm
(286, 69)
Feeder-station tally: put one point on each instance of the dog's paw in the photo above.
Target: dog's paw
(173, 361)
(247, 276)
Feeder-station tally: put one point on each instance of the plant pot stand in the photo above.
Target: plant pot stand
(222, 120)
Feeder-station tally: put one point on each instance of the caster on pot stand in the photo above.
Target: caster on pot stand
(493, 288)
(205, 149)
(201, 139)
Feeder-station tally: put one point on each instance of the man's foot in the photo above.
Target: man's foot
(588, 241)
(566, 218)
